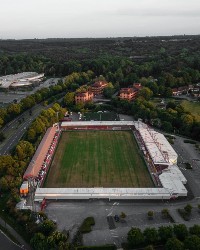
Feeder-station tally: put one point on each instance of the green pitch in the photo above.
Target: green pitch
(98, 159)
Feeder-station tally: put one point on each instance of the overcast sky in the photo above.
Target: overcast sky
(97, 18)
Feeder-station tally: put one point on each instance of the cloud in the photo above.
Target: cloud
(158, 12)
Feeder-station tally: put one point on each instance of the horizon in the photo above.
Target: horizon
(111, 37)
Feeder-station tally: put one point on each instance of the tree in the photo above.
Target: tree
(167, 126)
(195, 230)
(146, 93)
(47, 227)
(180, 231)
(165, 213)
(150, 235)
(165, 233)
(68, 99)
(14, 109)
(31, 135)
(171, 105)
(55, 239)
(188, 209)
(28, 102)
(24, 150)
(192, 243)
(109, 90)
(174, 244)
(135, 237)
(38, 242)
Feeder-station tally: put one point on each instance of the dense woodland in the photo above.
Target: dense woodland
(174, 61)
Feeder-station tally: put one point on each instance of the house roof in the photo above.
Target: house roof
(127, 91)
(99, 84)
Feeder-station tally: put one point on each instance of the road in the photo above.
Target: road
(6, 243)
(14, 131)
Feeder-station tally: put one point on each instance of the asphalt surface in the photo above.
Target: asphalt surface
(9, 97)
(6, 243)
(14, 131)
(70, 214)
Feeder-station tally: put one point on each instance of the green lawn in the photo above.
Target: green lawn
(193, 107)
(98, 159)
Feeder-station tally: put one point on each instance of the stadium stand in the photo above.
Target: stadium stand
(41, 154)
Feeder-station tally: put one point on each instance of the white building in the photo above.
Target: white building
(20, 80)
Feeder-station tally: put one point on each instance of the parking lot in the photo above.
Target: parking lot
(10, 96)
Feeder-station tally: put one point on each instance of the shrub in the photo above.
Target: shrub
(165, 213)
(86, 225)
(123, 215)
(150, 214)
(184, 214)
(188, 209)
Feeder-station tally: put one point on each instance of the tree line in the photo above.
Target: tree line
(177, 237)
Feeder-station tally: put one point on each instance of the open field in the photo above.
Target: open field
(193, 107)
(98, 159)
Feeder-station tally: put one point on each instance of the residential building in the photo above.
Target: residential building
(137, 86)
(98, 87)
(128, 94)
(84, 96)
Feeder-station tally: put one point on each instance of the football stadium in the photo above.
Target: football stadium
(105, 160)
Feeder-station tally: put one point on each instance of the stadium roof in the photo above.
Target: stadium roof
(176, 173)
(110, 193)
(159, 148)
(165, 146)
(41, 152)
(97, 123)
(172, 183)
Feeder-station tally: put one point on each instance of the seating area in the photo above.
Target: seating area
(47, 160)
(41, 160)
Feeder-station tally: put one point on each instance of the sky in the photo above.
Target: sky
(21, 19)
